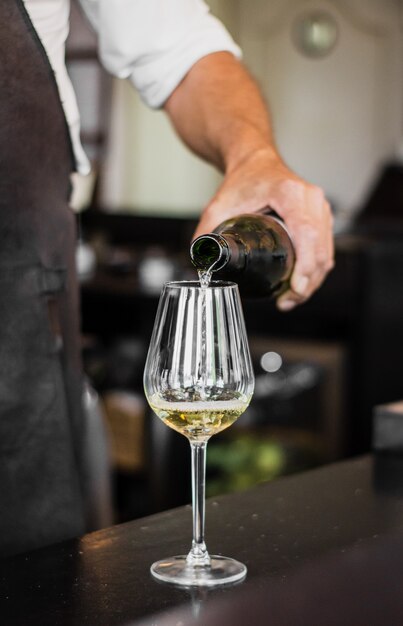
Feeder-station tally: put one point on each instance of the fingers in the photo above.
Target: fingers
(310, 225)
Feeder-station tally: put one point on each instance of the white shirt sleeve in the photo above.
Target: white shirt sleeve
(154, 43)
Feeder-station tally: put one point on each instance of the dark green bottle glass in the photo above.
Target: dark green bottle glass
(253, 250)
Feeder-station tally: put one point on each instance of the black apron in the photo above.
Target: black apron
(41, 424)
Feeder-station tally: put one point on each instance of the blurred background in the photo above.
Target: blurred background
(332, 72)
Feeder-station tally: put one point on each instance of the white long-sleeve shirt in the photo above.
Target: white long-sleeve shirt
(153, 43)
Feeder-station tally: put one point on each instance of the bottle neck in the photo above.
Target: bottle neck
(209, 252)
(214, 252)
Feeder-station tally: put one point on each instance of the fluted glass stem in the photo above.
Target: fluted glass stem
(198, 554)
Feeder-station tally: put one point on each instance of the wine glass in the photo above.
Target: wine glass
(198, 380)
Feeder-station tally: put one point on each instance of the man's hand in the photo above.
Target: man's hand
(219, 112)
(262, 180)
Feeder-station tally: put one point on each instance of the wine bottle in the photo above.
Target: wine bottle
(253, 250)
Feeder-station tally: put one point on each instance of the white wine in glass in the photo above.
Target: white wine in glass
(198, 380)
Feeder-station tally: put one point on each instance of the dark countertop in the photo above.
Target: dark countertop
(321, 547)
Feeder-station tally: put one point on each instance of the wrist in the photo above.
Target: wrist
(250, 151)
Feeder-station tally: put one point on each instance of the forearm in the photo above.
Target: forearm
(219, 112)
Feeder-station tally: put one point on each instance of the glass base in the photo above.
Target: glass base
(220, 571)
